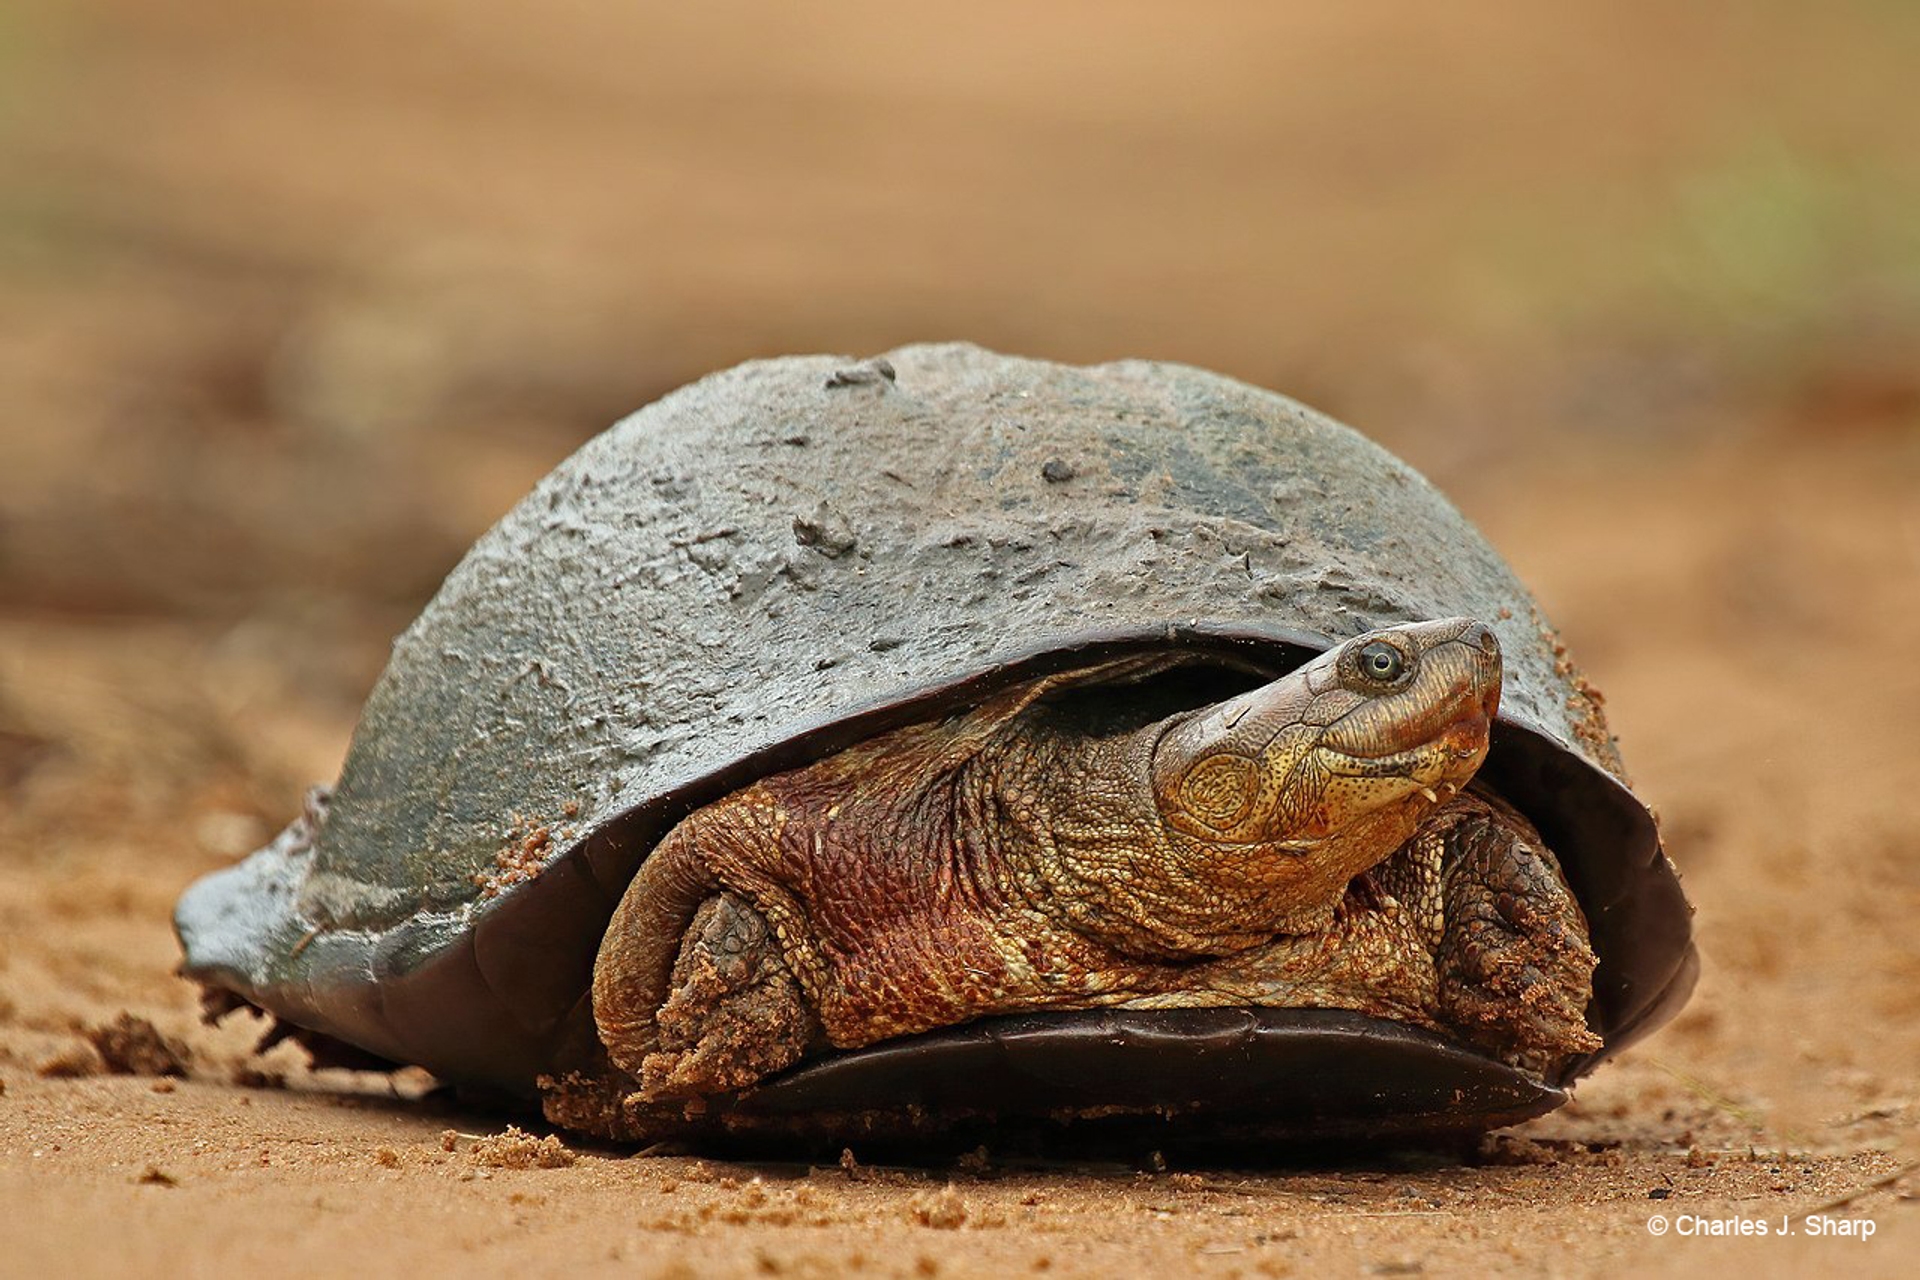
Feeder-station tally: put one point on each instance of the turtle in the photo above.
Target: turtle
(951, 739)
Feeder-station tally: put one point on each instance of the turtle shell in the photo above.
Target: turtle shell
(792, 555)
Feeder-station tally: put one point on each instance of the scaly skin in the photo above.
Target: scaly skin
(1303, 844)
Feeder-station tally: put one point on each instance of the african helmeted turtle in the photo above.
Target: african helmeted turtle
(871, 748)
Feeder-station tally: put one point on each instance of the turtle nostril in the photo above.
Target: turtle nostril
(1481, 636)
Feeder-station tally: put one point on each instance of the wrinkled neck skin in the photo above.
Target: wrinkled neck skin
(1080, 839)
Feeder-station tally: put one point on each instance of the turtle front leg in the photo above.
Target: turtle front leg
(735, 1014)
(1512, 956)
(691, 994)
(632, 973)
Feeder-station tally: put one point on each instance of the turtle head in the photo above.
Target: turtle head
(1288, 791)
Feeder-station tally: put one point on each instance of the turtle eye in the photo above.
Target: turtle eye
(1381, 662)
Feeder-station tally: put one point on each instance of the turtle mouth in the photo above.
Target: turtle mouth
(1455, 726)
(1451, 754)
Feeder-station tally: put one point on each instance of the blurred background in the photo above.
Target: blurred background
(296, 299)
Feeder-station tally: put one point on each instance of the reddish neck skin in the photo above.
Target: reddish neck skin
(880, 853)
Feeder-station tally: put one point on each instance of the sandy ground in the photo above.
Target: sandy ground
(291, 308)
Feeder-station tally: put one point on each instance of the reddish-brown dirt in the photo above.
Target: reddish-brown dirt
(295, 300)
